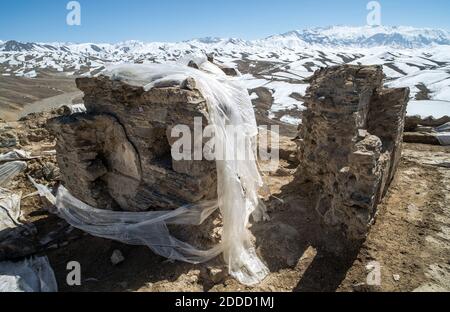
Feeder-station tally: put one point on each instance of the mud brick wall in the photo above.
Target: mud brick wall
(350, 143)
(118, 155)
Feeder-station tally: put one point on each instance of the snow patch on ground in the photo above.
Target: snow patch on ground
(282, 95)
(291, 120)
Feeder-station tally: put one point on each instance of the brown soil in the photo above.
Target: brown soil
(19, 92)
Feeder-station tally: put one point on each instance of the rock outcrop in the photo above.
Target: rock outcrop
(351, 143)
(118, 155)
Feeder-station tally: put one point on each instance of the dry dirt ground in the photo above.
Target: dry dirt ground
(20, 96)
(409, 243)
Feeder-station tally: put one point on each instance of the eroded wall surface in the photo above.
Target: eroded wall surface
(350, 143)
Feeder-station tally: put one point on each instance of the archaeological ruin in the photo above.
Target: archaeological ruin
(118, 154)
(350, 143)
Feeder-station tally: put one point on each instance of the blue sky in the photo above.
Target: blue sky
(176, 20)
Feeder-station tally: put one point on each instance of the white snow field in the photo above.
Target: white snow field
(424, 109)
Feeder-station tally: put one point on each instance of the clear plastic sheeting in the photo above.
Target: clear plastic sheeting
(12, 164)
(444, 138)
(238, 181)
(77, 108)
(10, 170)
(30, 275)
(443, 134)
(9, 211)
(136, 228)
(201, 60)
(15, 155)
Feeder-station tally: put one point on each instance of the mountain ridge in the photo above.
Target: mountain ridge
(343, 36)
(370, 36)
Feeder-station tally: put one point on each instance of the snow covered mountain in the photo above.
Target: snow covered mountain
(411, 57)
(341, 36)
(366, 37)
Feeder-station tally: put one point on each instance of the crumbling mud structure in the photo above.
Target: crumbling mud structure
(117, 156)
(351, 143)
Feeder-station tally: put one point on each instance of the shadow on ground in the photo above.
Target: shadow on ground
(294, 230)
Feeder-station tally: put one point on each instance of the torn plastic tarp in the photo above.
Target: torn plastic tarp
(12, 164)
(443, 134)
(10, 170)
(15, 155)
(9, 211)
(75, 108)
(237, 187)
(135, 228)
(30, 275)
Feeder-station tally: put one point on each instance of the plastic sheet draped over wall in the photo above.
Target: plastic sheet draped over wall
(238, 181)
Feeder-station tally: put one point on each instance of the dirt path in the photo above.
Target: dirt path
(49, 103)
(19, 92)
(411, 239)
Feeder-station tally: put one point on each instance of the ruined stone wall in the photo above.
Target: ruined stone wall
(118, 154)
(350, 146)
